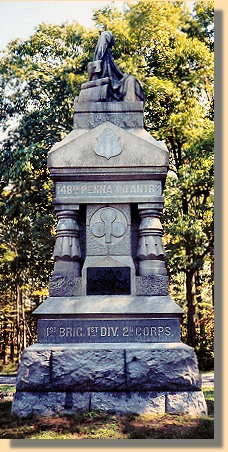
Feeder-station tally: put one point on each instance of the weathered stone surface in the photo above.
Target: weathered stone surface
(163, 368)
(129, 402)
(192, 403)
(104, 304)
(124, 114)
(65, 286)
(107, 367)
(104, 346)
(152, 285)
(108, 225)
(128, 120)
(92, 93)
(34, 370)
(108, 107)
(27, 404)
(119, 249)
(88, 369)
(78, 151)
(77, 402)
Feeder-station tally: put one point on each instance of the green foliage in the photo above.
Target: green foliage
(39, 77)
(205, 347)
(200, 23)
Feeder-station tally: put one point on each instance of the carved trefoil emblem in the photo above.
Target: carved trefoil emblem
(110, 227)
(108, 144)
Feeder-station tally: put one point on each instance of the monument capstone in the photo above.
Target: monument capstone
(109, 333)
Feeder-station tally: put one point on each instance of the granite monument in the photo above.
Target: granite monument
(109, 333)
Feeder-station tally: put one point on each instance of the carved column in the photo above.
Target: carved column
(67, 252)
(150, 250)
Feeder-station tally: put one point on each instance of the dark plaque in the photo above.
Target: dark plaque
(63, 331)
(108, 281)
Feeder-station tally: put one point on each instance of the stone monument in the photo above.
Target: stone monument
(109, 333)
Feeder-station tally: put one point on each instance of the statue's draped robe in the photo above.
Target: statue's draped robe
(122, 86)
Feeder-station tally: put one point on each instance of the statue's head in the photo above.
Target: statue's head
(107, 36)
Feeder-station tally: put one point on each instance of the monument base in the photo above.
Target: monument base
(28, 404)
(121, 378)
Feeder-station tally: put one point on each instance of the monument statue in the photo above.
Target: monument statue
(121, 86)
(109, 333)
(104, 72)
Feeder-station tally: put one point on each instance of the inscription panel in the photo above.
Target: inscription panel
(108, 330)
(95, 192)
(108, 281)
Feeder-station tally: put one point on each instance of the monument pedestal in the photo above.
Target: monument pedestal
(109, 334)
(89, 358)
(121, 378)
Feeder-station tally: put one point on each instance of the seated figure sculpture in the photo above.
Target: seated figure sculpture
(104, 73)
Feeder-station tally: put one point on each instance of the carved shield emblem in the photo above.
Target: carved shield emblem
(108, 144)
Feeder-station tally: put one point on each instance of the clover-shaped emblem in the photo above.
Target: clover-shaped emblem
(108, 226)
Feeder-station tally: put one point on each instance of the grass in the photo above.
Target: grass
(6, 388)
(209, 397)
(98, 425)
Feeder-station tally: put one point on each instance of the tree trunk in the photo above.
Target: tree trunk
(24, 324)
(11, 345)
(212, 279)
(199, 304)
(18, 303)
(4, 357)
(190, 295)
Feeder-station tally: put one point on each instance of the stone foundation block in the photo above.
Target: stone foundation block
(162, 368)
(27, 404)
(192, 403)
(128, 402)
(88, 369)
(109, 367)
(34, 370)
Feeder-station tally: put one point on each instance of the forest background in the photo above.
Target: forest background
(170, 49)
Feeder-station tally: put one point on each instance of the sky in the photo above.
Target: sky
(18, 19)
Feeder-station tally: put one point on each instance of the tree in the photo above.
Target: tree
(200, 23)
